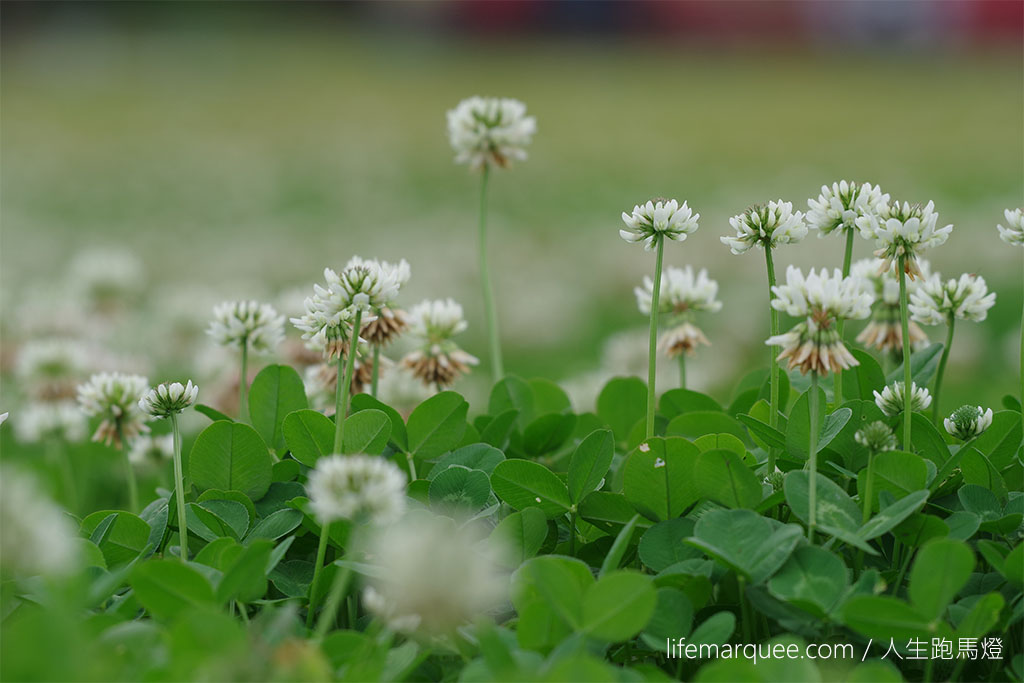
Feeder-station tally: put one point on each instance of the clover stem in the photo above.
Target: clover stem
(942, 370)
(129, 471)
(497, 369)
(812, 449)
(652, 346)
(572, 531)
(341, 394)
(905, 323)
(321, 553)
(243, 384)
(376, 370)
(338, 588)
(179, 490)
(869, 486)
(682, 370)
(773, 373)
(837, 378)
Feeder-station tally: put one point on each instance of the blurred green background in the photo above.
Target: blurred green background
(237, 150)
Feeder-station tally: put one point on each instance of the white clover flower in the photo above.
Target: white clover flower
(656, 219)
(439, 361)
(839, 206)
(432, 576)
(49, 369)
(885, 330)
(388, 322)
(936, 302)
(490, 130)
(168, 399)
(238, 324)
(114, 397)
(42, 420)
(437, 321)
(822, 295)
(766, 226)
(401, 390)
(876, 437)
(361, 488)
(812, 348)
(681, 292)
(38, 538)
(148, 449)
(1013, 232)
(967, 422)
(891, 402)
(684, 338)
(904, 230)
(106, 277)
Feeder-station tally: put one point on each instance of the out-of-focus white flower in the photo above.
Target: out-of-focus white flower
(150, 449)
(49, 369)
(490, 130)
(936, 302)
(822, 295)
(891, 401)
(684, 338)
(247, 323)
(839, 206)
(3, 417)
(401, 389)
(361, 488)
(321, 380)
(904, 230)
(114, 397)
(106, 277)
(885, 330)
(967, 422)
(656, 219)
(766, 226)
(37, 537)
(42, 420)
(432, 576)
(1013, 232)
(439, 361)
(681, 292)
(168, 399)
(877, 437)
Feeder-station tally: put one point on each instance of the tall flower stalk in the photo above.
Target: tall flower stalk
(246, 325)
(767, 226)
(485, 132)
(651, 224)
(1013, 234)
(876, 438)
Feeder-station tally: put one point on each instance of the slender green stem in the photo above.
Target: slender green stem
(375, 370)
(837, 378)
(412, 466)
(485, 282)
(682, 370)
(321, 553)
(907, 382)
(773, 375)
(572, 531)
(652, 347)
(243, 384)
(57, 453)
(869, 486)
(942, 370)
(129, 472)
(327, 615)
(812, 449)
(1022, 371)
(179, 489)
(345, 384)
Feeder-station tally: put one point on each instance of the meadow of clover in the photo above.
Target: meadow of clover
(357, 479)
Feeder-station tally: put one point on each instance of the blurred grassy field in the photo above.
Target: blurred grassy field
(246, 158)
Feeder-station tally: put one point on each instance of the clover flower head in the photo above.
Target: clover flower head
(439, 361)
(50, 368)
(823, 296)
(114, 397)
(967, 422)
(1013, 232)
(238, 324)
(891, 401)
(877, 437)
(885, 330)
(325, 327)
(371, 283)
(880, 277)
(839, 206)
(487, 131)
(767, 226)
(168, 399)
(681, 292)
(38, 538)
(936, 302)
(437, 321)
(904, 230)
(106, 277)
(43, 420)
(359, 488)
(813, 348)
(656, 219)
(684, 338)
(151, 449)
(432, 576)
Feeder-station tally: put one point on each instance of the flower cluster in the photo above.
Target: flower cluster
(168, 399)
(904, 231)
(891, 400)
(42, 420)
(1013, 232)
(966, 422)
(50, 368)
(387, 322)
(936, 302)
(439, 361)
(658, 218)
(766, 226)
(37, 538)
(884, 331)
(681, 292)
(114, 397)
(106, 277)
(877, 437)
(247, 324)
(490, 130)
(839, 206)
(360, 488)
